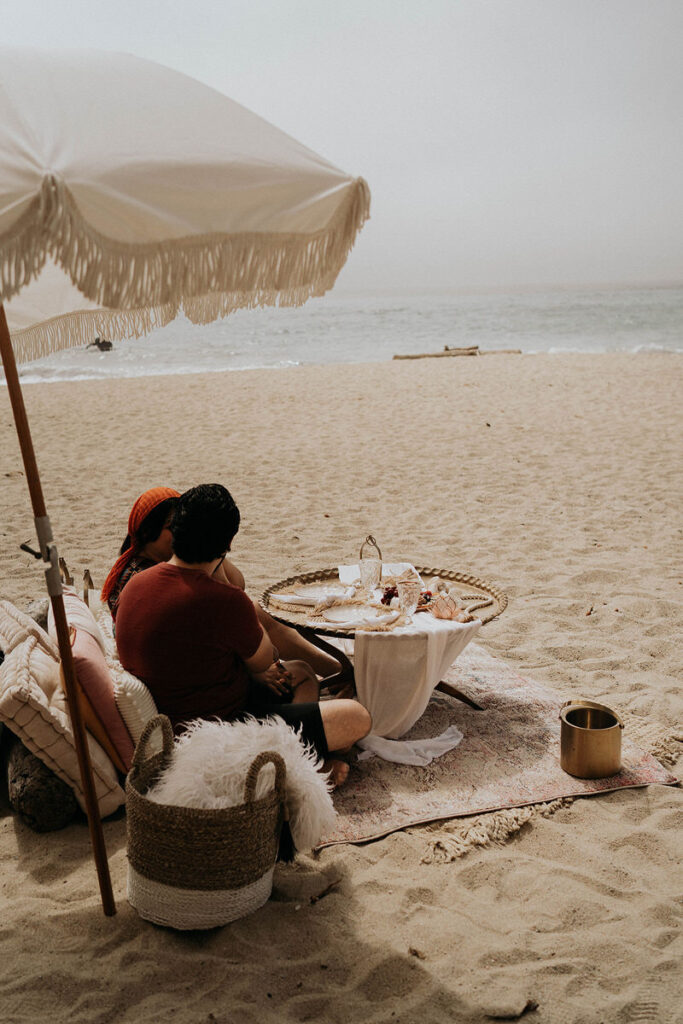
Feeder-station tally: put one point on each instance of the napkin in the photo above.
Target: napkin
(361, 620)
(417, 752)
(321, 600)
(349, 573)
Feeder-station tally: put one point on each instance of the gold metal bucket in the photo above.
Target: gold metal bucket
(590, 739)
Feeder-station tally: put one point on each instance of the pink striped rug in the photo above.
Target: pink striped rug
(509, 757)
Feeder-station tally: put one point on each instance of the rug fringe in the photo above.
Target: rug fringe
(484, 830)
(463, 835)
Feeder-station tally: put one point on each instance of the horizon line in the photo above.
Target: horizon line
(509, 289)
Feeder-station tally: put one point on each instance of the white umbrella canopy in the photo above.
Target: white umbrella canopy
(154, 193)
(130, 192)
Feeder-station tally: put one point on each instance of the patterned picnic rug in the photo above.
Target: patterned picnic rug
(509, 757)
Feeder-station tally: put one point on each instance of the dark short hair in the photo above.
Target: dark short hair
(151, 526)
(205, 520)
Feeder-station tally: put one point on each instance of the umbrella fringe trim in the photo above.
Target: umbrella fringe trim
(81, 327)
(146, 285)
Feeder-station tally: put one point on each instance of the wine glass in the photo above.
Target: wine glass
(408, 595)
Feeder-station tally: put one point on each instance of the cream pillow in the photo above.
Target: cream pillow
(133, 699)
(106, 625)
(33, 706)
(16, 626)
(78, 615)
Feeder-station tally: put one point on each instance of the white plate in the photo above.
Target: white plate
(341, 613)
(316, 591)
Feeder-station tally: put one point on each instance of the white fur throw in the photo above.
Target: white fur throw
(209, 768)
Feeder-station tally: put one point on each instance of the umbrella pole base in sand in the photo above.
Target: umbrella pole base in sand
(48, 550)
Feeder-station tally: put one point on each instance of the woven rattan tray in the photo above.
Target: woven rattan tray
(479, 596)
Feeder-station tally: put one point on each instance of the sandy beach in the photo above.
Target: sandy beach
(560, 478)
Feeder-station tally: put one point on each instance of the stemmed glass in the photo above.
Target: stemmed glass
(408, 596)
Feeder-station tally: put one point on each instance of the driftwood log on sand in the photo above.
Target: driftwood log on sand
(36, 794)
(470, 350)
(41, 799)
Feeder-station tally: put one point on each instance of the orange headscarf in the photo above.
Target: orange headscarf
(145, 504)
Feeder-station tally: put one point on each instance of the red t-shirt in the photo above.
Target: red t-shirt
(185, 635)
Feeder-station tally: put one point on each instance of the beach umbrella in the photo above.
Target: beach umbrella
(129, 193)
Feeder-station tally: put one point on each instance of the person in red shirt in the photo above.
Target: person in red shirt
(149, 541)
(199, 647)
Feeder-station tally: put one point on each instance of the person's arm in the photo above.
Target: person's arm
(264, 664)
(266, 668)
(263, 657)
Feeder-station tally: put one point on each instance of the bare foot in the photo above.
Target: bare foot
(338, 772)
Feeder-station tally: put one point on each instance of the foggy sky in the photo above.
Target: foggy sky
(506, 142)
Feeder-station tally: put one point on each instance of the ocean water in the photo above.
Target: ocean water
(356, 329)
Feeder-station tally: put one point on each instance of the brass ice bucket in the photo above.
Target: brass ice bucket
(590, 739)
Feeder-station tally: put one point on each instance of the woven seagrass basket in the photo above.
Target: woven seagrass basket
(193, 868)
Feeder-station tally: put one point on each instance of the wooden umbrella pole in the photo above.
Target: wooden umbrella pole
(48, 550)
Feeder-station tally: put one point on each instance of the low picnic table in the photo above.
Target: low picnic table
(396, 668)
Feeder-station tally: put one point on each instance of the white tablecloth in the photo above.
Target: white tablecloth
(396, 672)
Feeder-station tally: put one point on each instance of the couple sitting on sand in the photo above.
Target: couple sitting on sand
(186, 628)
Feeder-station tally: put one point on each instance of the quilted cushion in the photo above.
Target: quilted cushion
(16, 626)
(33, 706)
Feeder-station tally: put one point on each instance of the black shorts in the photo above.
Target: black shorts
(303, 718)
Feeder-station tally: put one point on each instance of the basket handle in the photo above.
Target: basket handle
(264, 758)
(140, 754)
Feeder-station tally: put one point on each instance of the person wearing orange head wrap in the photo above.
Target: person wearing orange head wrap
(147, 542)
